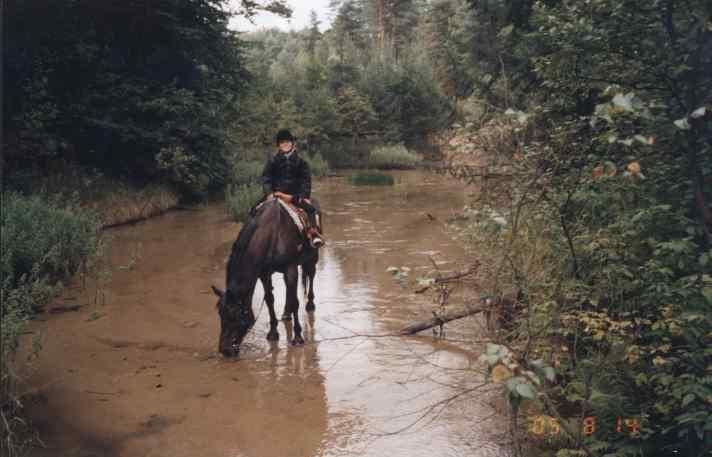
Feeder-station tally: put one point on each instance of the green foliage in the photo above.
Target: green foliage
(44, 242)
(318, 166)
(53, 235)
(371, 179)
(239, 199)
(246, 172)
(109, 86)
(406, 99)
(392, 157)
(339, 89)
(608, 224)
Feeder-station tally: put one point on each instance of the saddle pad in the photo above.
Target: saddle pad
(293, 213)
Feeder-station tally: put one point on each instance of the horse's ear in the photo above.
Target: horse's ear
(217, 291)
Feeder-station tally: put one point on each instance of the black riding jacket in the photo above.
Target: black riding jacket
(290, 175)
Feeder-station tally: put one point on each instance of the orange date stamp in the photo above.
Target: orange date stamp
(548, 426)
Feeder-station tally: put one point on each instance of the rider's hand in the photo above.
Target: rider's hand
(285, 197)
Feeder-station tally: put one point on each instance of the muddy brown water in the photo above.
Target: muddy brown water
(135, 371)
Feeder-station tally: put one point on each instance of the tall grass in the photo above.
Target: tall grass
(116, 200)
(317, 164)
(371, 179)
(393, 157)
(44, 241)
(239, 199)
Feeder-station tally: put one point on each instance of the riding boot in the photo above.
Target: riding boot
(313, 230)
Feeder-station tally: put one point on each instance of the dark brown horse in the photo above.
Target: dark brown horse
(269, 242)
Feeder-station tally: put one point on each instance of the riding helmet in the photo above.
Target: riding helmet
(284, 135)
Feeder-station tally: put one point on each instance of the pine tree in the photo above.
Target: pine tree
(314, 35)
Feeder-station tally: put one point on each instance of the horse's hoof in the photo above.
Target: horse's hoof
(298, 341)
(273, 336)
(310, 307)
(230, 353)
(286, 317)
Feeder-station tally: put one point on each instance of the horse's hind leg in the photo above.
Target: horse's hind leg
(309, 272)
(273, 334)
(291, 279)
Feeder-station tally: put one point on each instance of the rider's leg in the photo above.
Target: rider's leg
(314, 230)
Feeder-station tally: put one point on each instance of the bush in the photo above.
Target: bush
(239, 199)
(37, 231)
(117, 200)
(371, 179)
(318, 166)
(43, 242)
(393, 157)
(246, 172)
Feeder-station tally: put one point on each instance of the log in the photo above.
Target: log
(440, 320)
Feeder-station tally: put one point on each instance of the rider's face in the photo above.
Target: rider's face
(285, 146)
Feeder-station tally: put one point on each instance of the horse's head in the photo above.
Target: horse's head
(236, 319)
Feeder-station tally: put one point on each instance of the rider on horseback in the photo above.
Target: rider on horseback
(287, 176)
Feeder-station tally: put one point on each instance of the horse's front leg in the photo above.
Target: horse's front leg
(273, 334)
(291, 280)
(287, 313)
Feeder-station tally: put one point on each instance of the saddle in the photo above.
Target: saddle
(310, 230)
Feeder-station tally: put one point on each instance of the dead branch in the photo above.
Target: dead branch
(447, 279)
(440, 320)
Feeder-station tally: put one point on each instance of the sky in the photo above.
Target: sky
(299, 20)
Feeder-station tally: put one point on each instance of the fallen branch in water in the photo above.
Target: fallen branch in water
(440, 320)
(448, 279)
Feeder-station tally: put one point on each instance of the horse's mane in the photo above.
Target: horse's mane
(239, 247)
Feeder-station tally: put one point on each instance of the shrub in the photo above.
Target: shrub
(41, 232)
(246, 172)
(117, 200)
(240, 199)
(43, 242)
(393, 157)
(371, 179)
(317, 164)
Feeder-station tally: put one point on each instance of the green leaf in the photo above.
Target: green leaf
(707, 292)
(506, 31)
(549, 374)
(623, 101)
(682, 124)
(689, 398)
(526, 390)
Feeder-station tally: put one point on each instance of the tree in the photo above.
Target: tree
(107, 85)
(313, 35)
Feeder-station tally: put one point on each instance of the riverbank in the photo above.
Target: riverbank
(51, 232)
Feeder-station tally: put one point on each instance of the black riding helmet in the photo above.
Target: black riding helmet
(284, 135)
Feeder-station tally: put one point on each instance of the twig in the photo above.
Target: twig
(448, 279)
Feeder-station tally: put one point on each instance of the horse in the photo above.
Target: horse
(269, 242)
